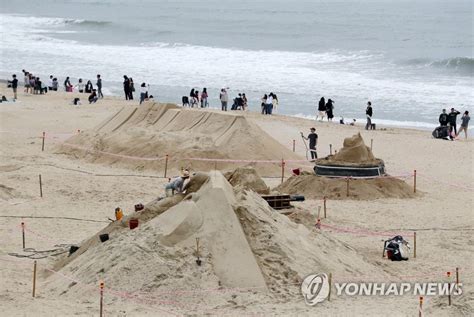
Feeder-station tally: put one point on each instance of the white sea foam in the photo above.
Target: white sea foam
(350, 78)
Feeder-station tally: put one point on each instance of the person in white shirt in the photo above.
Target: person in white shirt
(80, 86)
(50, 83)
(269, 104)
(143, 92)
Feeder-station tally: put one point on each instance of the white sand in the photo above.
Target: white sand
(442, 216)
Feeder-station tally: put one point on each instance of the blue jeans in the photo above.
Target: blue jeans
(269, 108)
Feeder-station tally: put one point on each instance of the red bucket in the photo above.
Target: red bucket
(133, 223)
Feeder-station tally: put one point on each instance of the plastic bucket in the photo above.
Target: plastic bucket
(133, 223)
(104, 237)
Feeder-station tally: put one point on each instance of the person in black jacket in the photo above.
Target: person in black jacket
(443, 118)
(368, 113)
(321, 109)
(126, 87)
(452, 117)
(14, 85)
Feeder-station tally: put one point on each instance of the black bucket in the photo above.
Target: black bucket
(73, 249)
(104, 237)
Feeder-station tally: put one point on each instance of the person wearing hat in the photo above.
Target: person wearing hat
(313, 140)
(176, 184)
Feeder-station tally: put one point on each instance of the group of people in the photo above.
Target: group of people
(269, 103)
(195, 98)
(325, 109)
(33, 84)
(449, 120)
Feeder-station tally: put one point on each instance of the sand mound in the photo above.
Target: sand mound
(316, 187)
(244, 243)
(155, 130)
(353, 152)
(247, 178)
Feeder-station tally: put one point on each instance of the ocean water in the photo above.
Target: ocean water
(410, 58)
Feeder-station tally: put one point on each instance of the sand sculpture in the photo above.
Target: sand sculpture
(191, 138)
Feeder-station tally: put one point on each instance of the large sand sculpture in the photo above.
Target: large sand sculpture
(244, 244)
(154, 130)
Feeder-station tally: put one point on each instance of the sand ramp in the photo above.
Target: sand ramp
(156, 130)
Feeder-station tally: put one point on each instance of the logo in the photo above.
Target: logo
(315, 288)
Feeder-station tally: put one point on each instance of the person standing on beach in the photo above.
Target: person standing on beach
(274, 102)
(368, 113)
(50, 83)
(126, 87)
(244, 99)
(67, 85)
(464, 123)
(14, 84)
(204, 95)
(131, 90)
(143, 92)
(313, 140)
(27, 81)
(321, 109)
(452, 118)
(99, 87)
(224, 98)
(443, 119)
(329, 109)
(269, 104)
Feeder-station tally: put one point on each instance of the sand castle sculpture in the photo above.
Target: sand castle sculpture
(355, 162)
(354, 159)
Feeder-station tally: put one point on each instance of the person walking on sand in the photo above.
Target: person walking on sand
(443, 119)
(14, 84)
(321, 109)
(464, 123)
(329, 109)
(224, 98)
(313, 140)
(368, 113)
(99, 87)
(143, 92)
(452, 118)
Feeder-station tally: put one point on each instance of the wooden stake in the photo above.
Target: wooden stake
(198, 260)
(34, 278)
(414, 244)
(414, 181)
(42, 145)
(166, 165)
(457, 276)
(449, 293)
(23, 233)
(420, 312)
(282, 170)
(371, 143)
(330, 149)
(347, 187)
(41, 186)
(294, 145)
(101, 307)
(330, 286)
(324, 207)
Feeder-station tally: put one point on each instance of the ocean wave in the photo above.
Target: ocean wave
(462, 65)
(86, 22)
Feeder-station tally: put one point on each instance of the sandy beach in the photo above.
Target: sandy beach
(80, 193)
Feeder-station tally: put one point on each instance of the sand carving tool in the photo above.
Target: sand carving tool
(198, 260)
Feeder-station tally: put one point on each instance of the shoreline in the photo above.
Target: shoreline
(360, 121)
